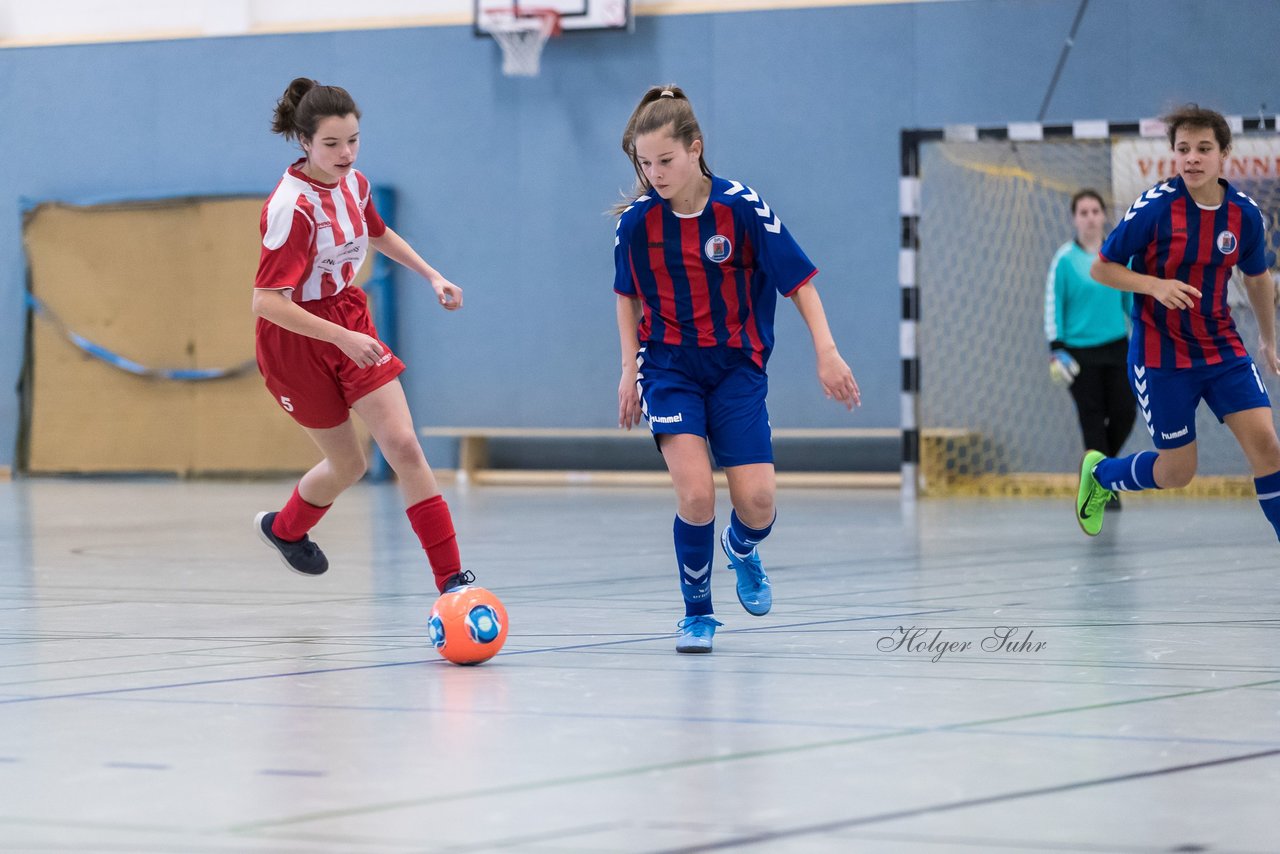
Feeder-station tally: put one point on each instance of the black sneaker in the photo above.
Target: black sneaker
(1113, 506)
(458, 579)
(303, 556)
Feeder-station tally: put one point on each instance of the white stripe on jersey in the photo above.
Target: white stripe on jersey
(280, 210)
(340, 205)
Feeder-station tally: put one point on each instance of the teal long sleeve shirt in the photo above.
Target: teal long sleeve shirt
(1078, 311)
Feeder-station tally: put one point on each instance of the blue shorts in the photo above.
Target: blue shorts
(1168, 397)
(714, 392)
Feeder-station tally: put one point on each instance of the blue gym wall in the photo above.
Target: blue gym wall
(502, 183)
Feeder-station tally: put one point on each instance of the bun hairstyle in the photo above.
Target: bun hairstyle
(304, 103)
(661, 107)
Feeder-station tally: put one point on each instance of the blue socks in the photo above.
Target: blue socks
(1127, 474)
(695, 545)
(1133, 473)
(1269, 497)
(743, 539)
(695, 548)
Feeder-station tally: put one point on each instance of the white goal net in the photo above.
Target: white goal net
(992, 214)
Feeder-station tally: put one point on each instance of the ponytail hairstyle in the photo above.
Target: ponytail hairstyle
(304, 103)
(662, 107)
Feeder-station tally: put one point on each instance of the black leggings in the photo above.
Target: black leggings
(1105, 405)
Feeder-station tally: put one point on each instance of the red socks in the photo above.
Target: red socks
(434, 526)
(296, 518)
(430, 519)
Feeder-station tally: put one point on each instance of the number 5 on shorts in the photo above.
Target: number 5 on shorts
(286, 403)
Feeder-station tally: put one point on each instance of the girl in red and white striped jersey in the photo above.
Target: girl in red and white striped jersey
(317, 346)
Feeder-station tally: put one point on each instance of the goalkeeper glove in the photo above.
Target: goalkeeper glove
(1062, 368)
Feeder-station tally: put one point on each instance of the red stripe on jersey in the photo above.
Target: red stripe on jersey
(1177, 239)
(373, 220)
(699, 295)
(753, 331)
(328, 287)
(353, 210)
(729, 278)
(1177, 253)
(1204, 254)
(1150, 334)
(1220, 311)
(307, 208)
(304, 204)
(646, 325)
(658, 266)
(1150, 259)
(331, 211)
(373, 223)
(348, 272)
(298, 295)
(1173, 325)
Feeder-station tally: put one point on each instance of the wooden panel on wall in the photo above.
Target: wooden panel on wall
(168, 285)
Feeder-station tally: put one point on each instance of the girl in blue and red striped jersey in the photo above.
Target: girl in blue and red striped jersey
(1174, 250)
(699, 263)
(317, 346)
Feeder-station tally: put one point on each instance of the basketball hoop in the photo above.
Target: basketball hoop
(521, 32)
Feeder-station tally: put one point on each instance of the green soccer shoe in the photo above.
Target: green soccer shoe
(1091, 497)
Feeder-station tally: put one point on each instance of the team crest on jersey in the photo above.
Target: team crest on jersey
(1226, 242)
(718, 248)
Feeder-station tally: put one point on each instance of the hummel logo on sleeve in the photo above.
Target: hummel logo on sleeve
(1147, 198)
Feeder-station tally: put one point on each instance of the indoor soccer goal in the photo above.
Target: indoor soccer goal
(983, 211)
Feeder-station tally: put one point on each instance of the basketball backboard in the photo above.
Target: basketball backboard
(575, 15)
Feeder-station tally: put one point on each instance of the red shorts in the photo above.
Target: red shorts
(313, 380)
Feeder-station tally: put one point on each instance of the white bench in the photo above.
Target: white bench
(473, 456)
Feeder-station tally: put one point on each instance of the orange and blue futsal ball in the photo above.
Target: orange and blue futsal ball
(468, 625)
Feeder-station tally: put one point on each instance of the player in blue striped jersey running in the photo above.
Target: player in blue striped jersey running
(1175, 249)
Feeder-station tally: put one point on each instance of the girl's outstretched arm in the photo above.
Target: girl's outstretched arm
(834, 374)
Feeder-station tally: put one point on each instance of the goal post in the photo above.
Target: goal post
(983, 210)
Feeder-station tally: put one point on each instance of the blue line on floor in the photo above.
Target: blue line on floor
(144, 766)
(435, 661)
(862, 821)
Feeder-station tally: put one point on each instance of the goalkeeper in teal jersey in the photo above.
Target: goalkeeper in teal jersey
(1087, 326)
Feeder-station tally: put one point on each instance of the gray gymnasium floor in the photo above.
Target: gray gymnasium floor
(166, 685)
